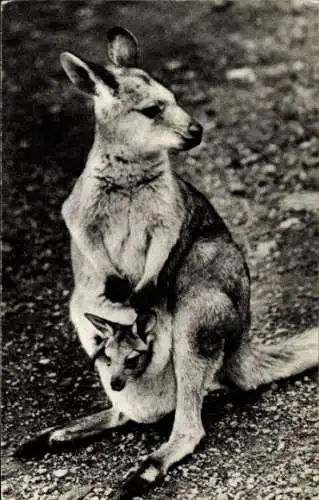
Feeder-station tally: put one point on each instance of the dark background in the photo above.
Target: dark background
(257, 164)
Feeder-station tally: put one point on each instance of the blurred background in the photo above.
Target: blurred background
(249, 73)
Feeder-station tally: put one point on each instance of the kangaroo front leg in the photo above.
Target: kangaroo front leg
(158, 252)
(56, 438)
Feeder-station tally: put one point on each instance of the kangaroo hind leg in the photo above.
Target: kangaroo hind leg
(56, 438)
(200, 327)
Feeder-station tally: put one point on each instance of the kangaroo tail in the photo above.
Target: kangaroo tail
(257, 364)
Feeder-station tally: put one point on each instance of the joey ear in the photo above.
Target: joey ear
(86, 75)
(150, 323)
(145, 323)
(101, 324)
(122, 47)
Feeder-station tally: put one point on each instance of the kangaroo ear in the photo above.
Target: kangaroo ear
(85, 75)
(122, 47)
(101, 324)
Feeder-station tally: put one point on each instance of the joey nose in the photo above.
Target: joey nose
(195, 130)
(117, 383)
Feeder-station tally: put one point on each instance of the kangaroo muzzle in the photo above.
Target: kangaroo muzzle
(193, 137)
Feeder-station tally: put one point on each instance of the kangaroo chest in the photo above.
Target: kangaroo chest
(120, 224)
(126, 230)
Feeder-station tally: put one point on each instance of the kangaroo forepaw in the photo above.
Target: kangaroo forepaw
(140, 479)
(35, 447)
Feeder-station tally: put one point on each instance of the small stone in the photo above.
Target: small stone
(288, 223)
(223, 161)
(265, 248)
(272, 213)
(281, 446)
(44, 361)
(281, 331)
(197, 97)
(250, 159)
(299, 31)
(24, 144)
(237, 187)
(298, 66)
(302, 201)
(77, 493)
(274, 386)
(6, 247)
(60, 473)
(42, 470)
(173, 64)
(89, 449)
(48, 488)
(5, 487)
(296, 129)
(271, 149)
(293, 480)
(221, 496)
(246, 75)
(221, 4)
(276, 70)
(270, 169)
(189, 75)
(55, 109)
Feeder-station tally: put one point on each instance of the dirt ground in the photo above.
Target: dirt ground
(258, 164)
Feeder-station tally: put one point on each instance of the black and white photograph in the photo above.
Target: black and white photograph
(160, 236)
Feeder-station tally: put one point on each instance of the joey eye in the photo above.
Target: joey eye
(152, 111)
(108, 360)
(131, 362)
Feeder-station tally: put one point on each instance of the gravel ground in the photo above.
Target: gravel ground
(250, 75)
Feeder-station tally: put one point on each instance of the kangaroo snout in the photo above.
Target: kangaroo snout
(195, 130)
(117, 383)
(193, 137)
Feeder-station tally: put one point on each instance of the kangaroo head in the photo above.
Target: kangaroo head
(126, 349)
(131, 108)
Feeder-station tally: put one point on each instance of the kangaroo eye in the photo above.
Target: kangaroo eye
(131, 363)
(151, 111)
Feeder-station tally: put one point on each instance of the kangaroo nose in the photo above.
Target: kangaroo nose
(117, 383)
(195, 129)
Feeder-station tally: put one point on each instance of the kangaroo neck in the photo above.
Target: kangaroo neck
(112, 164)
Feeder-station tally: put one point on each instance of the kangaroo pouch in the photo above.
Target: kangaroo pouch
(146, 399)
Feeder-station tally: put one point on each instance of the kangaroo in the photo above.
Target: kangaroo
(141, 238)
(126, 350)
